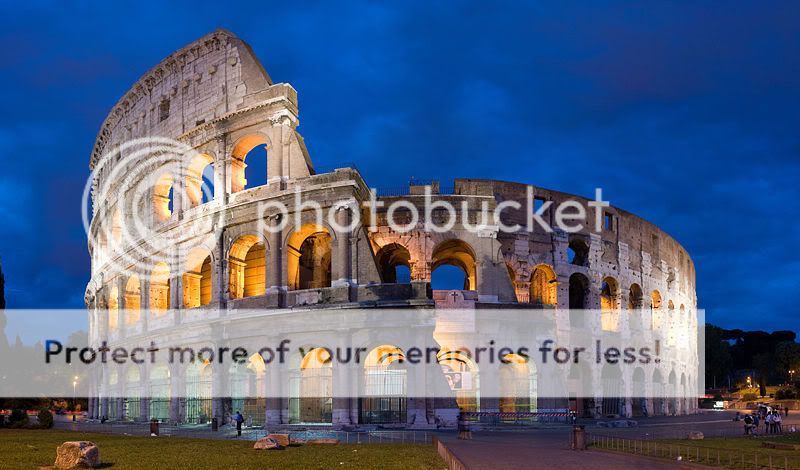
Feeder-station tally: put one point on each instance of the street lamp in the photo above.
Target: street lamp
(791, 375)
(74, 400)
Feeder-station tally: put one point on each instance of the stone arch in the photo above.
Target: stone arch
(248, 389)
(635, 297)
(609, 304)
(456, 253)
(199, 376)
(639, 395)
(247, 266)
(309, 257)
(659, 393)
(613, 390)
(578, 252)
(160, 288)
(160, 387)
(655, 309)
(463, 376)
(198, 278)
(581, 391)
(241, 150)
(199, 191)
(113, 308)
(544, 285)
(311, 387)
(389, 258)
(163, 197)
(578, 299)
(384, 398)
(133, 393)
(133, 300)
(518, 384)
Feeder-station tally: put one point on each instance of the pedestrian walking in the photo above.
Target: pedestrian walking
(239, 419)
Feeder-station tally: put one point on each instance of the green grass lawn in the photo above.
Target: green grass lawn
(732, 452)
(33, 448)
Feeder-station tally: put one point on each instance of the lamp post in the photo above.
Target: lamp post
(74, 399)
(791, 375)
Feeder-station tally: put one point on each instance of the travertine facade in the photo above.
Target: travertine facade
(215, 96)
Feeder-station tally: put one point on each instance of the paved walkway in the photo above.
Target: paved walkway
(539, 450)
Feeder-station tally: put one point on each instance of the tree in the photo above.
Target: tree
(718, 356)
(787, 357)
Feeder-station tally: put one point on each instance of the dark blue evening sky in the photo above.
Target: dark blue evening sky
(687, 114)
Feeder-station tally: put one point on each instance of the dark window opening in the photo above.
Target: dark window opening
(608, 222)
(163, 110)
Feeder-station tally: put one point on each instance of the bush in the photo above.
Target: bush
(18, 418)
(786, 393)
(45, 418)
(750, 396)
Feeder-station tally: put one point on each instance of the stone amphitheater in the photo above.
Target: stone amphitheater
(215, 97)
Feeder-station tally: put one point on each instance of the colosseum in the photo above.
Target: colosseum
(215, 97)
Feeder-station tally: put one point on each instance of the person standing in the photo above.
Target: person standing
(778, 423)
(239, 420)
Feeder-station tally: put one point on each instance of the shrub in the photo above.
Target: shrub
(786, 393)
(18, 418)
(750, 396)
(45, 418)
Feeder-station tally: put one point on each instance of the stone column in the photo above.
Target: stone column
(341, 266)
(176, 394)
(219, 390)
(275, 280)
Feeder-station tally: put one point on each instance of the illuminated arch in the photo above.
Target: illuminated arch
(162, 197)
(199, 376)
(389, 258)
(544, 285)
(113, 308)
(241, 150)
(385, 387)
(309, 258)
(456, 253)
(248, 390)
(246, 261)
(196, 191)
(655, 309)
(463, 377)
(159, 288)
(518, 386)
(197, 279)
(133, 300)
(609, 304)
(311, 388)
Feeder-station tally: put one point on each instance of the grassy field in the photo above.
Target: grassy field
(732, 452)
(34, 448)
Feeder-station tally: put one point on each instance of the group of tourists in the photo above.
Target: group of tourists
(771, 417)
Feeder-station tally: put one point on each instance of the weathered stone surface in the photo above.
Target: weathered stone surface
(77, 454)
(696, 435)
(296, 441)
(323, 441)
(267, 443)
(282, 439)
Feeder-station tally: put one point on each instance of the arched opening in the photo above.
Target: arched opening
(113, 308)
(249, 163)
(198, 392)
(578, 299)
(635, 297)
(133, 394)
(159, 392)
(672, 401)
(517, 386)
(580, 385)
(311, 398)
(159, 289)
(611, 378)
(544, 285)
(578, 252)
(200, 180)
(247, 265)
(116, 232)
(462, 376)
(133, 300)
(394, 261)
(609, 304)
(639, 400)
(248, 390)
(458, 254)
(197, 280)
(309, 258)
(655, 309)
(385, 385)
(163, 197)
(658, 393)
